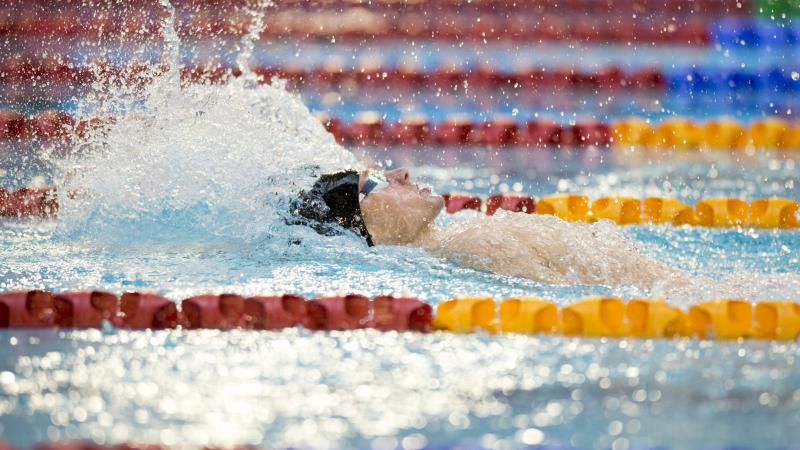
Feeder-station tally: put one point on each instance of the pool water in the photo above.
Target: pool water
(186, 193)
(384, 390)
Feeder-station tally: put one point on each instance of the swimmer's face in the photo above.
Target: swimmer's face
(398, 211)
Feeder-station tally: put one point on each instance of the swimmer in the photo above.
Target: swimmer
(390, 209)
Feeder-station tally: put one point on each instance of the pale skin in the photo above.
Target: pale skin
(541, 248)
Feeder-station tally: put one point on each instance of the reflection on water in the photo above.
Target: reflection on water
(365, 388)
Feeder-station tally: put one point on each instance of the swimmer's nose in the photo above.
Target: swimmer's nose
(400, 175)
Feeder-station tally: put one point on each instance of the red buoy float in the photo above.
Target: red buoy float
(501, 131)
(27, 202)
(367, 129)
(410, 130)
(510, 202)
(274, 312)
(347, 312)
(213, 311)
(648, 78)
(12, 125)
(456, 201)
(401, 314)
(589, 133)
(454, 130)
(542, 134)
(87, 309)
(50, 124)
(140, 311)
(26, 309)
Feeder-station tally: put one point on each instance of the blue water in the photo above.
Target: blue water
(385, 390)
(175, 213)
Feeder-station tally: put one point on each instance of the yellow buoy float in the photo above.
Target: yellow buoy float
(620, 209)
(721, 212)
(466, 314)
(632, 132)
(667, 210)
(769, 133)
(774, 212)
(565, 206)
(655, 318)
(528, 315)
(778, 320)
(721, 319)
(677, 133)
(723, 134)
(594, 316)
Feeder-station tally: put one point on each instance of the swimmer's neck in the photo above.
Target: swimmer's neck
(428, 238)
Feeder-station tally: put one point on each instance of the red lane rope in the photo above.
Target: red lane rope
(361, 23)
(741, 7)
(59, 78)
(28, 202)
(368, 128)
(19, 69)
(135, 310)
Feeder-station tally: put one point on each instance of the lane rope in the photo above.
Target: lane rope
(54, 73)
(590, 317)
(769, 212)
(369, 128)
(717, 212)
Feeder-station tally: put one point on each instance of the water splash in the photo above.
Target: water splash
(216, 160)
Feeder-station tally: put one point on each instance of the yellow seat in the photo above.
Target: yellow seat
(774, 212)
(722, 319)
(769, 133)
(655, 318)
(721, 212)
(679, 134)
(465, 314)
(631, 132)
(778, 320)
(594, 316)
(565, 206)
(622, 210)
(723, 134)
(528, 315)
(667, 210)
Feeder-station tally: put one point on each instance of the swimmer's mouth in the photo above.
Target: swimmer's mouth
(425, 190)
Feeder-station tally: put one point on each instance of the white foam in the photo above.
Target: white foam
(222, 158)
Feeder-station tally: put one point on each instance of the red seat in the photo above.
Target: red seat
(26, 309)
(338, 313)
(275, 312)
(85, 309)
(139, 311)
(401, 314)
(213, 311)
(510, 202)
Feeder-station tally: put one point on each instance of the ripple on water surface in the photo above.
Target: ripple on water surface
(328, 390)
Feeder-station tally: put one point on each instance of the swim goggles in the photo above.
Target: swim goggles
(373, 180)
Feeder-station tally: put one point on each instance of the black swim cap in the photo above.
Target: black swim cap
(333, 200)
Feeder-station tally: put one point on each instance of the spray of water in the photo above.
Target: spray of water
(220, 160)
